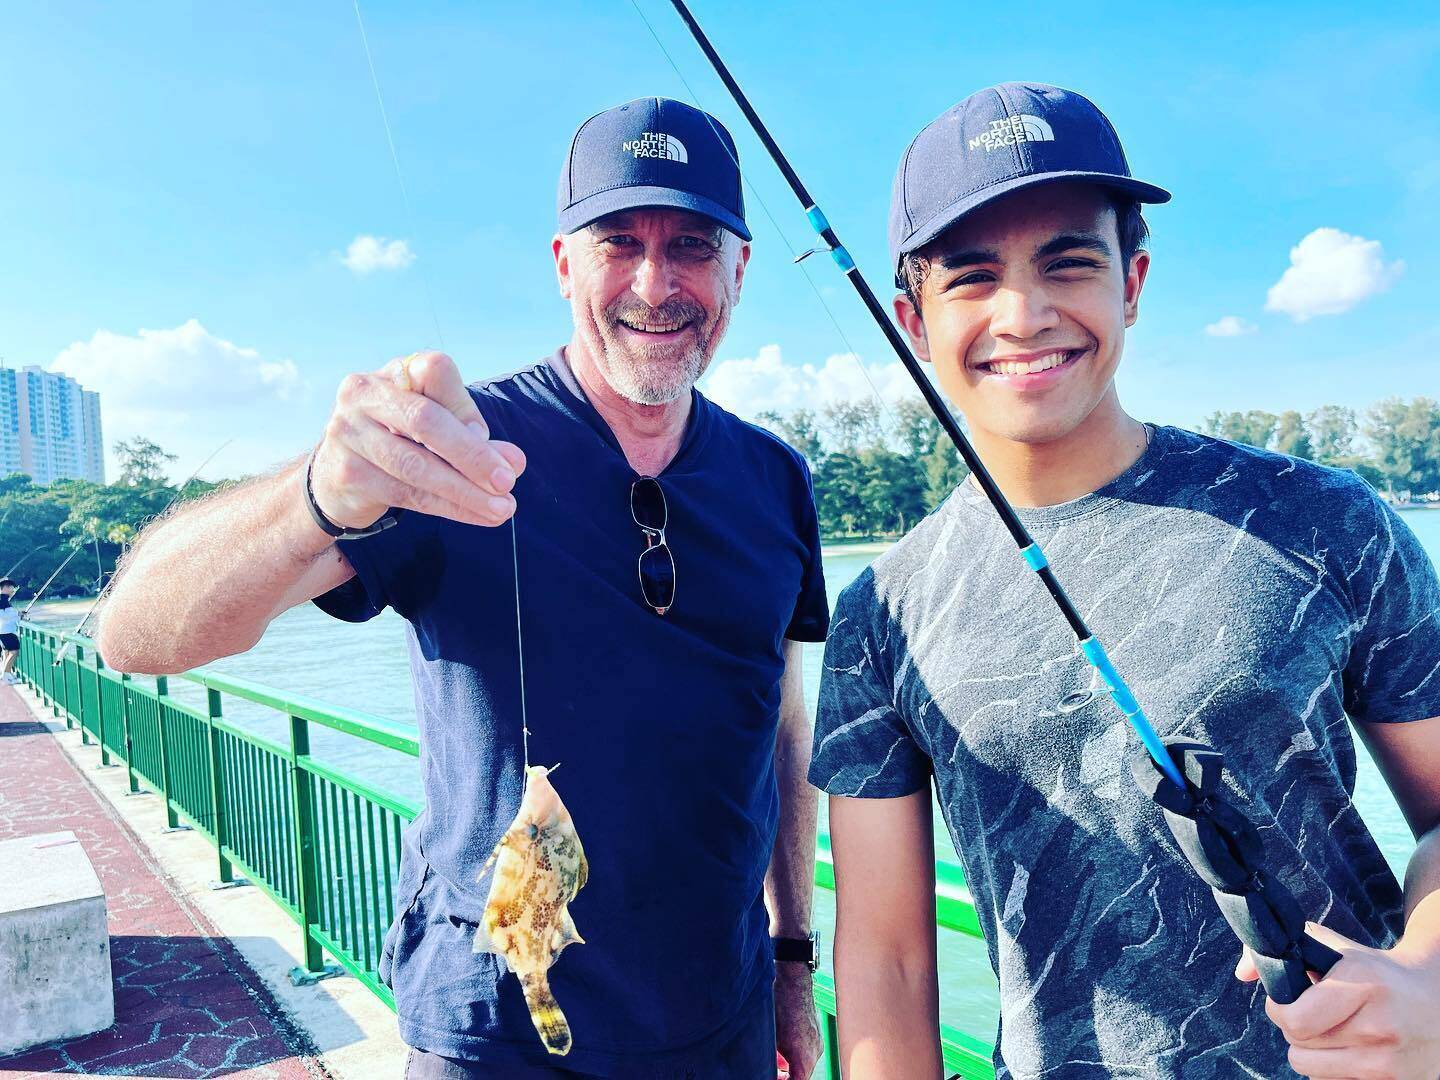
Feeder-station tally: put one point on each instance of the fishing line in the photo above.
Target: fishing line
(435, 317)
(1218, 841)
(796, 259)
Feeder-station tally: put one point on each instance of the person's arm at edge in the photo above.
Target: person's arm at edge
(205, 581)
(1408, 756)
(790, 877)
(886, 979)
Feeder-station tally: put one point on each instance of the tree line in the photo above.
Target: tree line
(41, 526)
(877, 472)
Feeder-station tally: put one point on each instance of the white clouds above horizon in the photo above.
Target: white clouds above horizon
(748, 386)
(185, 388)
(1331, 272)
(1230, 326)
(367, 254)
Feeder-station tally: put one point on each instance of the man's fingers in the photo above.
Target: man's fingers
(462, 446)
(435, 376)
(422, 475)
(396, 494)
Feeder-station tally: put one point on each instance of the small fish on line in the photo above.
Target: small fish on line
(539, 868)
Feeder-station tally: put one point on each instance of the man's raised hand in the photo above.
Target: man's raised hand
(410, 436)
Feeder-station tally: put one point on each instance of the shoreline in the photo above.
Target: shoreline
(829, 548)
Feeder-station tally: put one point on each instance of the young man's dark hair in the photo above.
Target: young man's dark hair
(1130, 226)
(8, 583)
(1254, 602)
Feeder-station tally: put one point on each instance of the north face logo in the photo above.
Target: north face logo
(656, 144)
(1012, 130)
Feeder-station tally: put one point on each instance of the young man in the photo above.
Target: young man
(672, 695)
(9, 636)
(1253, 602)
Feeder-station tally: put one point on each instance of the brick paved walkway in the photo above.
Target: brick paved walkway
(186, 1003)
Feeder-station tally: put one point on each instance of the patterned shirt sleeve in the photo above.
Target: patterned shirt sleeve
(863, 747)
(1393, 672)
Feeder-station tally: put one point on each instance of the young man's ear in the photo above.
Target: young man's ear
(914, 326)
(1134, 283)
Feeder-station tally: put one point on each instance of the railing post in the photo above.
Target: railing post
(79, 710)
(303, 828)
(217, 798)
(99, 708)
(133, 784)
(162, 691)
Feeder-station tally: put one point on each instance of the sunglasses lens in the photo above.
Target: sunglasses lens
(647, 504)
(657, 576)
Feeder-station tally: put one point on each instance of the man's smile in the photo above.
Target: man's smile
(1028, 365)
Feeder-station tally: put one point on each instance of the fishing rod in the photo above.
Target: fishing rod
(1220, 844)
(41, 591)
(37, 547)
(99, 590)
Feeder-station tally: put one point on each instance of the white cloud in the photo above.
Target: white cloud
(367, 254)
(1330, 272)
(187, 389)
(1230, 326)
(752, 385)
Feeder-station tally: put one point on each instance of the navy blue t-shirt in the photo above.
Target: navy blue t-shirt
(665, 725)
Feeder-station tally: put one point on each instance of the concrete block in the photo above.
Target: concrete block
(54, 943)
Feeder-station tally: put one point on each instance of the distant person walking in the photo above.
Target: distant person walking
(9, 625)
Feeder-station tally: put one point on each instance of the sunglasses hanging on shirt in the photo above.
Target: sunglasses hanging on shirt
(657, 564)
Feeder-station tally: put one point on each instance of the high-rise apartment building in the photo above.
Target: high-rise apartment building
(49, 427)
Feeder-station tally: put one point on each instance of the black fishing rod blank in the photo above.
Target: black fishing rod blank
(1219, 842)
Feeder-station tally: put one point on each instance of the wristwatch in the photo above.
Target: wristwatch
(328, 527)
(804, 950)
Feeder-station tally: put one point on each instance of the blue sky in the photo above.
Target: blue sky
(181, 182)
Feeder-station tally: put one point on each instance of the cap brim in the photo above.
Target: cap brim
(1141, 191)
(646, 197)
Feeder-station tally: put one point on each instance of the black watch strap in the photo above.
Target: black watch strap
(804, 950)
(328, 527)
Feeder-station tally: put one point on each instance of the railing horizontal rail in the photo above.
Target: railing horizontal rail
(323, 844)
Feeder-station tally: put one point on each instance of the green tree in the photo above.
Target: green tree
(849, 427)
(918, 428)
(142, 461)
(1406, 437)
(944, 470)
(1253, 428)
(798, 429)
(1290, 435)
(894, 489)
(1332, 434)
(839, 494)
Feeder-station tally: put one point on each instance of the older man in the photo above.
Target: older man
(671, 695)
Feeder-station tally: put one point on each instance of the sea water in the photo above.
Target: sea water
(366, 667)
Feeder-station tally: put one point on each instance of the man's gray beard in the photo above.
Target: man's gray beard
(636, 380)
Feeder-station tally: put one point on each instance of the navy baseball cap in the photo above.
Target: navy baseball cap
(996, 141)
(651, 152)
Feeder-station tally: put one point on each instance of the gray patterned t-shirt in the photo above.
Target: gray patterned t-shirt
(1253, 602)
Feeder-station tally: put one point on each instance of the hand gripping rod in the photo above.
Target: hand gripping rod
(1218, 841)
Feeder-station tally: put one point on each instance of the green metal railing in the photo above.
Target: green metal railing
(323, 845)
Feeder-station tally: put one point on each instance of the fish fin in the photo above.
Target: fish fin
(483, 941)
(545, 1013)
(584, 874)
(564, 934)
(493, 856)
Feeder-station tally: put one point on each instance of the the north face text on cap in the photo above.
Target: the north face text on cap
(1012, 130)
(656, 144)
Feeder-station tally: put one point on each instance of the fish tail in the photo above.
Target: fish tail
(545, 1013)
